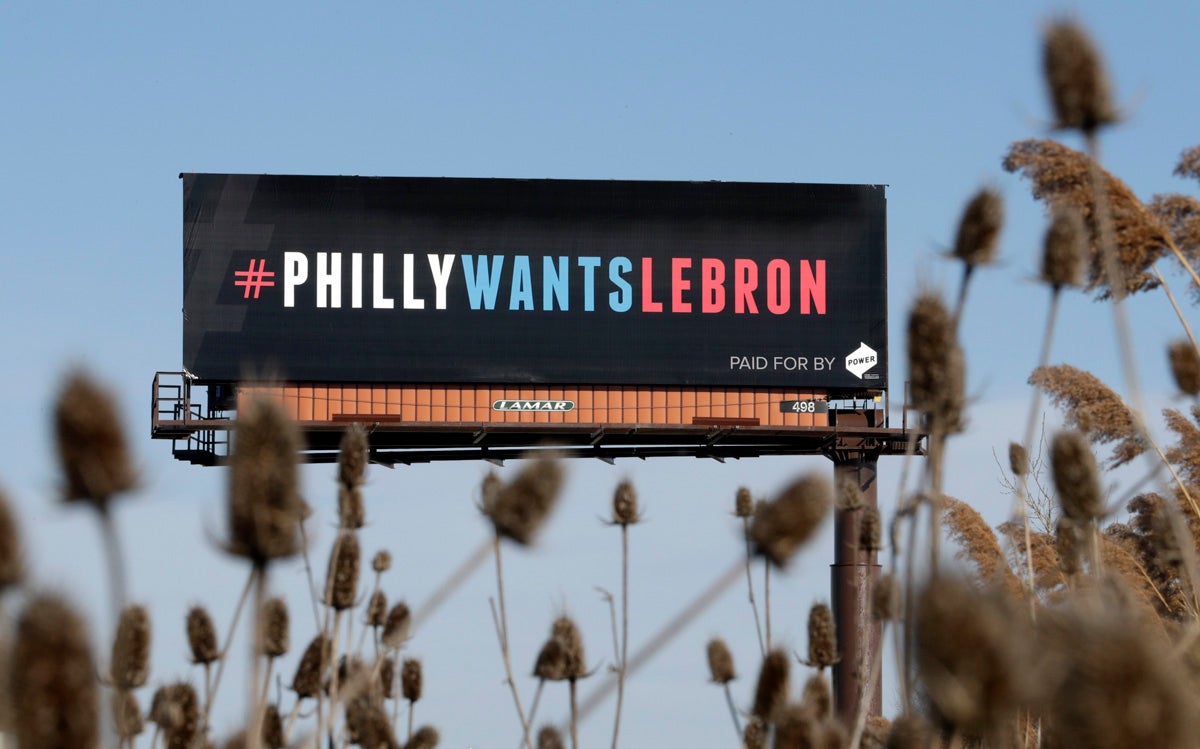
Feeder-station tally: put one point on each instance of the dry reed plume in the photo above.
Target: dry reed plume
(1061, 177)
(1093, 408)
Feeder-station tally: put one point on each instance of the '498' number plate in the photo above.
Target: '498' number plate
(804, 407)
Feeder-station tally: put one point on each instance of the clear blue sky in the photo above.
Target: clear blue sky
(104, 104)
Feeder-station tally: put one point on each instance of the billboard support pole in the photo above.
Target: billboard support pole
(853, 575)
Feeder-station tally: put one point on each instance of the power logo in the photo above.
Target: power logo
(862, 359)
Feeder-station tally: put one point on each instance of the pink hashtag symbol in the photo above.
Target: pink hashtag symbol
(254, 278)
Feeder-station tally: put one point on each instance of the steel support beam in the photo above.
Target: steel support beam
(853, 575)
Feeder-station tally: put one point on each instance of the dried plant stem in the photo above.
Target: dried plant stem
(1021, 503)
(333, 676)
(905, 634)
(362, 636)
(1178, 313)
(537, 700)
(574, 717)
(324, 627)
(412, 707)
(263, 696)
(501, 622)
(860, 715)
(312, 583)
(750, 587)
(290, 724)
(1112, 269)
(396, 700)
(962, 293)
(258, 701)
(207, 683)
(767, 602)
(237, 613)
(1183, 261)
(737, 724)
(452, 583)
(624, 654)
(665, 634)
(116, 562)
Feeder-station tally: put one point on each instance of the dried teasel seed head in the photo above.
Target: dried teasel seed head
(126, 714)
(387, 677)
(1067, 545)
(550, 738)
(352, 511)
(176, 711)
(1078, 85)
(265, 508)
(875, 733)
(744, 504)
(720, 661)
(886, 600)
(551, 663)
(522, 506)
(12, 560)
(975, 654)
(354, 678)
(382, 561)
(781, 526)
(131, 648)
(342, 589)
(796, 725)
(274, 622)
(311, 670)
(849, 493)
(909, 731)
(367, 724)
(1185, 366)
(754, 735)
(1018, 459)
(818, 696)
(870, 530)
(52, 684)
(1076, 476)
(771, 692)
(822, 647)
(202, 636)
(1064, 251)
(352, 457)
(625, 504)
(377, 609)
(411, 679)
(489, 490)
(936, 367)
(566, 632)
(396, 626)
(92, 451)
(1118, 681)
(979, 228)
(272, 729)
(426, 737)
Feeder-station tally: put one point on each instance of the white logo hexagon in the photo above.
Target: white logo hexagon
(862, 359)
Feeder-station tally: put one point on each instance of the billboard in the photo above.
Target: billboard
(534, 282)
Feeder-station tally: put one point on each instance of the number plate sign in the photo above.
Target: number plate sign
(804, 407)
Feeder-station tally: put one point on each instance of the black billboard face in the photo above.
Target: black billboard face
(349, 279)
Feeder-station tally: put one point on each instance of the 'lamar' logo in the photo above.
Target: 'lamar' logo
(862, 359)
(522, 405)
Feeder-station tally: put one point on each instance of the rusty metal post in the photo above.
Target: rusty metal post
(853, 576)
